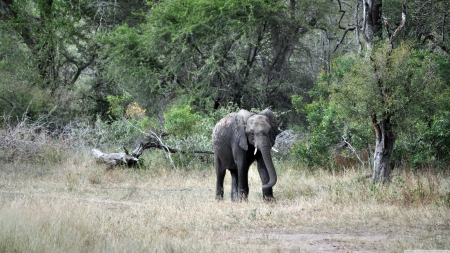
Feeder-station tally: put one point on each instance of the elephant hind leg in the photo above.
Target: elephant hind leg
(220, 173)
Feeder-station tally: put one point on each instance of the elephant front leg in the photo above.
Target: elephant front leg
(243, 188)
(234, 186)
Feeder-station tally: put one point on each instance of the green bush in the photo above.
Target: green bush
(180, 121)
(328, 127)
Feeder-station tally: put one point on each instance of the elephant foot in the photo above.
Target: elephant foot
(243, 196)
(234, 196)
(269, 199)
(239, 198)
(243, 199)
(219, 193)
(268, 195)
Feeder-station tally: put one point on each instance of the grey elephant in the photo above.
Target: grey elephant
(239, 139)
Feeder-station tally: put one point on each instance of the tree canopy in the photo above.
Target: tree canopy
(335, 70)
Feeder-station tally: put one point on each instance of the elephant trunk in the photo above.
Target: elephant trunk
(265, 152)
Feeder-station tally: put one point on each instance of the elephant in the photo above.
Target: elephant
(239, 139)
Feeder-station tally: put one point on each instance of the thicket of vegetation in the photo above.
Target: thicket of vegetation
(366, 79)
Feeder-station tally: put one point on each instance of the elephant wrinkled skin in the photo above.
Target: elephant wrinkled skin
(239, 139)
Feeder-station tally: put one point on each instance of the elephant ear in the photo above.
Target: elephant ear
(239, 130)
(274, 131)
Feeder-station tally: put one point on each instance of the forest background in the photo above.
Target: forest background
(367, 81)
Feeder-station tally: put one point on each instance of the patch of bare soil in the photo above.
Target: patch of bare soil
(352, 241)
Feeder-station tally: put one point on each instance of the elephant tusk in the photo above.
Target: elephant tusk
(256, 150)
(275, 149)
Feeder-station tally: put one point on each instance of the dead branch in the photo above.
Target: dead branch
(352, 149)
(132, 159)
(436, 43)
(346, 29)
(157, 144)
(114, 159)
(393, 36)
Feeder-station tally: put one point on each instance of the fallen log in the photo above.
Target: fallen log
(131, 160)
(114, 159)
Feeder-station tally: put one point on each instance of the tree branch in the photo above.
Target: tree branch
(440, 44)
(343, 37)
(7, 101)
(353, 150)
(376, 126)
(399, 28)
(443, 25)
(346, 30)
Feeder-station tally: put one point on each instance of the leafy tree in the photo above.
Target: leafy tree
(324, 133)
(329, 130)
(17, 93)
(370, 19)
(54, 36)
(245, 52)
(426, 141)
(130, 67)
(58, 38)
(392, 88)
(403, 80)
(430, 23)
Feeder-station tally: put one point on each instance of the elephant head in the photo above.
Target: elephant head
(259, 131)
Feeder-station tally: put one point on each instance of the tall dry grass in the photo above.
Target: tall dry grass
(75, 205)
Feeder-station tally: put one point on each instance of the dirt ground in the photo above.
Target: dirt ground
(352, 241)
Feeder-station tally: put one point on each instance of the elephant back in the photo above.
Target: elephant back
(222, 127)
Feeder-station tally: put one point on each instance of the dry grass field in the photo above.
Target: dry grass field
(79, 206)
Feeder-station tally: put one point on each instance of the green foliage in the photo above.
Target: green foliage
(215, 52)
(426, 141)
(117, 104)
(125, 46)
(297, 103)
(55, 38)
(205, 44)
(180, 121)
(189, 131)
(346, 100)
(405, 80)
(327, 126)
(18, 92)
(324, 133)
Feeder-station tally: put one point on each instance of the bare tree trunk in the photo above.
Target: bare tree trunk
(384, 128)
(369, 28)
(384, 146)
(372, 25)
